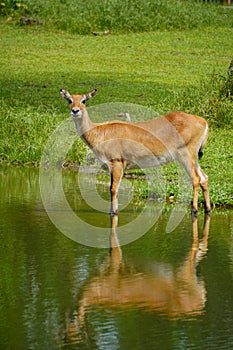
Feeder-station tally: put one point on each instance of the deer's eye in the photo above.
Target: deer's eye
(70, 101)
(83, 101)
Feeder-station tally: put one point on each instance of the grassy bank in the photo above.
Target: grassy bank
(163, 70)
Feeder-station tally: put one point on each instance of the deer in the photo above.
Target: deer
(121, 145)
(174, 292)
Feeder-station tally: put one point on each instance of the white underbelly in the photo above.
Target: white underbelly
(149, 162)
(133, 162)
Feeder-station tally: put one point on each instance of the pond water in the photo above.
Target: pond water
(161, 291)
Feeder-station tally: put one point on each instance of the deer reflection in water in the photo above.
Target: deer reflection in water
(173, 293)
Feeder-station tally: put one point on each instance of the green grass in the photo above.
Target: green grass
(119, 16)
(182, 69)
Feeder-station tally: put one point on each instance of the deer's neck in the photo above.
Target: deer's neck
(84, 126)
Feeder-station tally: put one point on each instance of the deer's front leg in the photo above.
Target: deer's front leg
(116, 170)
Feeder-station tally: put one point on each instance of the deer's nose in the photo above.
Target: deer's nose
(75, 110)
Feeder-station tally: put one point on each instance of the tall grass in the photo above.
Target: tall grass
(83, 17)
(212, 98)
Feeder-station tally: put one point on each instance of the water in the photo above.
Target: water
(163, 291)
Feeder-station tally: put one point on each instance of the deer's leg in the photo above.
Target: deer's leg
(196, 186)
(191, 168)
(205, 190)
(116, 170)
(200, 179)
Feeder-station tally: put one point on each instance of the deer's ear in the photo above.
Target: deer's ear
(66, 95)
(90, 94)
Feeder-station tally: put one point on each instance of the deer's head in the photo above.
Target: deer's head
(77, 102)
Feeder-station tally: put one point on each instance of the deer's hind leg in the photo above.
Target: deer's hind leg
(205, 188)
(199, 178)
(190, 165)
(196, 185)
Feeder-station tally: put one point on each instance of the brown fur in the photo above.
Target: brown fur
(176, 136)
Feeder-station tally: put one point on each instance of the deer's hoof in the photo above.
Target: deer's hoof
(112, 212)
(207, 211)
(194, 212)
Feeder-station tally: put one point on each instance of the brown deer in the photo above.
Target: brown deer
(173, 292)
(177, 136)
